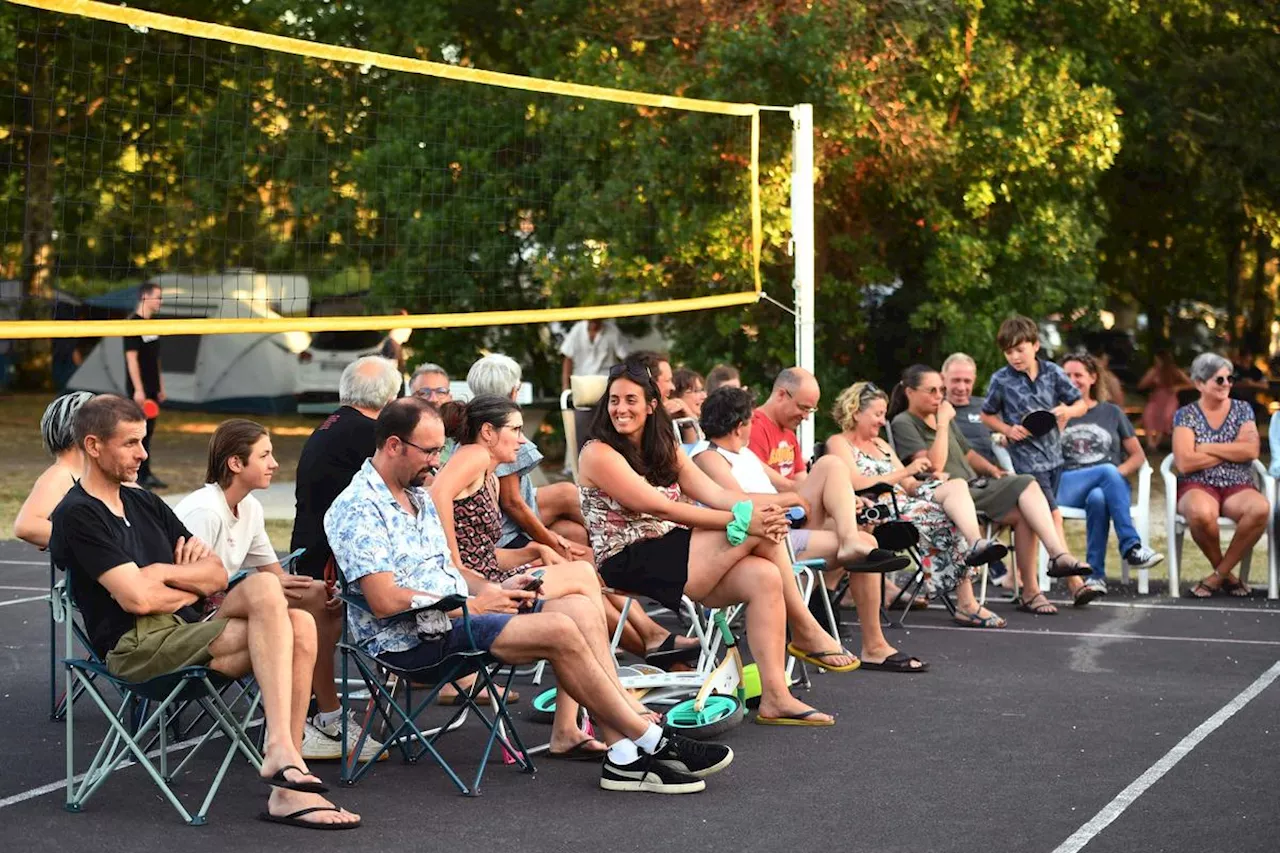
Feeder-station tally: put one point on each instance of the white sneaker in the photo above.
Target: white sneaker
(1142, 557)
(323, 743)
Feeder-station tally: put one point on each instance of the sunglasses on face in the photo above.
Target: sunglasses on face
(1225, 380)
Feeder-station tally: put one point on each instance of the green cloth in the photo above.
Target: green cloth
(161, 643)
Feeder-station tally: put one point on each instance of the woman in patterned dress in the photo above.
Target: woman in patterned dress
(943, 511)
(489, 430)
(1215, 441)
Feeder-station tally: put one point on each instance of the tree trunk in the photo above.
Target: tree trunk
(38, 255)
(1234, 251)
(1261, 309)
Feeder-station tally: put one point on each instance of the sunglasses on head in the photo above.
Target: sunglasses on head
(639, 372)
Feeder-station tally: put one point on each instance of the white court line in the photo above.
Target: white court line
(44, 597)
(1191, 607)
(1085, 634)
(25, 588)
(1139, 786)
(23, 563)
(62, 783)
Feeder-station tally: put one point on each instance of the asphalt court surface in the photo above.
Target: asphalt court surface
(1142, 725)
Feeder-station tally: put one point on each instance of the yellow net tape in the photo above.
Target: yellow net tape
(300, 47)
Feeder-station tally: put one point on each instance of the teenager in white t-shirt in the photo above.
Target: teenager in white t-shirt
(229, 518)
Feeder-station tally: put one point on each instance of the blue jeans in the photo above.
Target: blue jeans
(1103, 493)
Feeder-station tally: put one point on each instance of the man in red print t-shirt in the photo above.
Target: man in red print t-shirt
(773, 438)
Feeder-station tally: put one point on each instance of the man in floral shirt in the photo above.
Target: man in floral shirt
(388, 541)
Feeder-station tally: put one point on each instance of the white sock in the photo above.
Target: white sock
(623, 752)
(324, 718)
(650, 739)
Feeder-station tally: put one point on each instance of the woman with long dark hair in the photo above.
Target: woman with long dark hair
(489, 431)
(637, 485)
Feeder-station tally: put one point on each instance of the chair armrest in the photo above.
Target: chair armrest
(449, 602)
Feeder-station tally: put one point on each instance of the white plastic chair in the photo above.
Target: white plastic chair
(1141, 514)
(1176, 527)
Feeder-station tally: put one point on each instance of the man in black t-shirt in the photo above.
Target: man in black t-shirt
(334, 453)
(137, 574)
(143, 380)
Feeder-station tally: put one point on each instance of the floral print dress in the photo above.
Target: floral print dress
(942, 548)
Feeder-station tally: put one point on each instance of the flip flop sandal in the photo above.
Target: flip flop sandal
(817, 658)
(579, 752)
(1202, 590)
(973, 620)
(1044, 608)
(278, 780)
(1085, 594)
(801, 719)
(295, 819)
(897, 662)
(669, 653)
(880, 561)
(985, 552)
(1060, 568)
(1236, 588)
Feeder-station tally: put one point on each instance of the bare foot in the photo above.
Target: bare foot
(577, 739)
(821, 641)
(852, 551)
(284, 802)
(276, 760)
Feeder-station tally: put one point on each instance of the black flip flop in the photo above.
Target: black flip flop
(897, 662)
(295, 819)
(992, 553)
(879, 561)
(1040, 423)
(669, 653)
(579, 752)
(279, 781)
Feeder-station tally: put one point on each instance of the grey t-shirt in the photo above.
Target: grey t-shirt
(969, 422)
(528, 457)
(912, 435)
(1096, 437)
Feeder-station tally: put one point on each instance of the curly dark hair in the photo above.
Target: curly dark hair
(725, 409)
(657, 456)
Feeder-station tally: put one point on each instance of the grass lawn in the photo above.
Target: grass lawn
(180, 450)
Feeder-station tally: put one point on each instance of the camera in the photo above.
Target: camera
(874, 514)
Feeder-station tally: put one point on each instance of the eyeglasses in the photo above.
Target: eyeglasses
(429, 451)
(804, 410)
(1226, 380)
(428, 393)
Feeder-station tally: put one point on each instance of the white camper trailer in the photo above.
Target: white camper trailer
(228, 373)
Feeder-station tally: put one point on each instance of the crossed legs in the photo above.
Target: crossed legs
(278, 645)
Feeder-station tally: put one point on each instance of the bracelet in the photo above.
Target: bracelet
(736, 530)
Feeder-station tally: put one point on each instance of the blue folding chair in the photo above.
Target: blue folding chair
(387, 684)
(147, 710)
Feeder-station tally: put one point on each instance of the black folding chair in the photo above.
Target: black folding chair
(392, 701)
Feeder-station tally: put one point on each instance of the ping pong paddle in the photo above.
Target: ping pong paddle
(150, 409)
(1039, 423)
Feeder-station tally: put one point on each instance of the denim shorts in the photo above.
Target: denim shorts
(1049, 481)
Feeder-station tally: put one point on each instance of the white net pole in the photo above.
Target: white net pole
(802, 236)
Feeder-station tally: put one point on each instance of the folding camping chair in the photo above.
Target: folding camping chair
(135, 720)
(392, 700)
(61, 612)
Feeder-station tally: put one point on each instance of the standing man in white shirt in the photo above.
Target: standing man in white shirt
(591, 348)
(225, 515)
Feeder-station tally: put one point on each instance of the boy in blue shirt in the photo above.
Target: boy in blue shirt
(1028, 384)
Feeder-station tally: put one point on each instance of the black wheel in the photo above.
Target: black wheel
(718, 715)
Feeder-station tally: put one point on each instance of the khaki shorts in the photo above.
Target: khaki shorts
(161, 643)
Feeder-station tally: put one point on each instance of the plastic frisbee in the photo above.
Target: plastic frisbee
(151, 409)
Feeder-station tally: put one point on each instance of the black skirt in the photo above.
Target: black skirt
(657, 568)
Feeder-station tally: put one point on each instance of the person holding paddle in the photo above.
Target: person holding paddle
(1029, 401)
